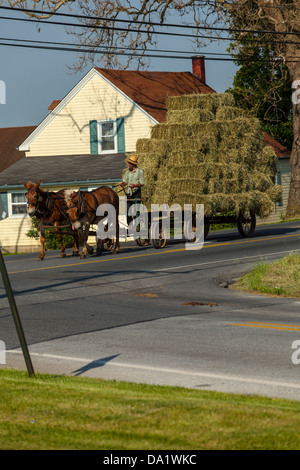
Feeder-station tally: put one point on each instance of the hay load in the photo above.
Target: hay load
(209, 152)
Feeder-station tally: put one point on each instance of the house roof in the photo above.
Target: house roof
(65, 169)
(278, 148)
(150, 90)
(10, 139)
(53, 104)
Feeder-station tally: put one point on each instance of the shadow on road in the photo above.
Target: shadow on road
(94, 365)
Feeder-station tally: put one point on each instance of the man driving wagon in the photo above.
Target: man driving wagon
(133, 180)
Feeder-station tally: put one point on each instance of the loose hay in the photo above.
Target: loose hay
(210, 152)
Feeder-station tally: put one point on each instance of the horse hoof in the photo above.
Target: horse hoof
(41, 257)
(116, 251)
(90, 250)
(75, 253)
(62, 255)
(82, 256)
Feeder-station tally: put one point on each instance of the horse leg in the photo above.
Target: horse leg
(76, 244)
(84, 251)
(42, 240)
(99, 247)
(60, 240)
(88, 249)
(85, 236)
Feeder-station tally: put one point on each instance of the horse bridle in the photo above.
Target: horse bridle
(80, 206)
(48, 205)
(37, 203)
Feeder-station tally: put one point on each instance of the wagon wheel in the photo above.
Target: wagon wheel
(195, 239)
(108, 244)
(142, 241)
(246, 223)
(161, 241)
(188, 230)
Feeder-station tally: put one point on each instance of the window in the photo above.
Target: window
(107, 136)
(18, 204)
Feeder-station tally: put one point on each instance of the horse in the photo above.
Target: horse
(49, 209)
(82, 208)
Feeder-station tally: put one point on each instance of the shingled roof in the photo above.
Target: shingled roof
(279, 149)
(64, 168)
(10, 139)
(150, 90)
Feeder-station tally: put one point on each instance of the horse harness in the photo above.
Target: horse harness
(50, 201)
(82, 203)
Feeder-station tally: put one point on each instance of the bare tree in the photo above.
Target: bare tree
(257, 20)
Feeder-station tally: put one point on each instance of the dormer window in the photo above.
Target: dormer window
(107, 136)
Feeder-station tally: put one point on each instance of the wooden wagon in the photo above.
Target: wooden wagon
(245, 222)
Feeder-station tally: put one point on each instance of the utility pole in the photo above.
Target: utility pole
(16, 316)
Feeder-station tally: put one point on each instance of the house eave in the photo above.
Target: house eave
(66, 184)
(52, 114)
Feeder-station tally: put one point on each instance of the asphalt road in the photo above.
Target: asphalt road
(159, 316)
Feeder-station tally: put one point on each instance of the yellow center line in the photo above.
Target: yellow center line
(164, 252)
(274, 326)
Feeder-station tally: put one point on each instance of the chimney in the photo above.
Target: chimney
(198, 62)
(53, 105)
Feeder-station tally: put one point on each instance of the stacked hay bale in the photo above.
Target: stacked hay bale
(209, 152)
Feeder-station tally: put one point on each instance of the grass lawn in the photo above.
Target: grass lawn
(59, 412)
(277, 278)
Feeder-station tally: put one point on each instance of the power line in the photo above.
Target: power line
(158, 56)
(55, 23)
(148, 23)
(190, 53)
(109, 28)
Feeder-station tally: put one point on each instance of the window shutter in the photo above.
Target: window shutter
(3, 206)
(121, 135)
(94, 137)
(279, 182)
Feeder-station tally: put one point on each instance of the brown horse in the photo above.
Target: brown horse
(49, 209)
(82, 208)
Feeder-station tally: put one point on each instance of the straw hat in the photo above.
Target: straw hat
(132, 159)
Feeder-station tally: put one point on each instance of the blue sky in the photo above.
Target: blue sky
(34, 78)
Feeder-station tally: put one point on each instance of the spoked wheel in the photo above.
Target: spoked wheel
(108, 244)
(161, 241)
(142, 241)
(194, 238)
(190, 232)
(246, 223)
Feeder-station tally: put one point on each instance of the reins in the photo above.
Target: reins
(50, 201)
